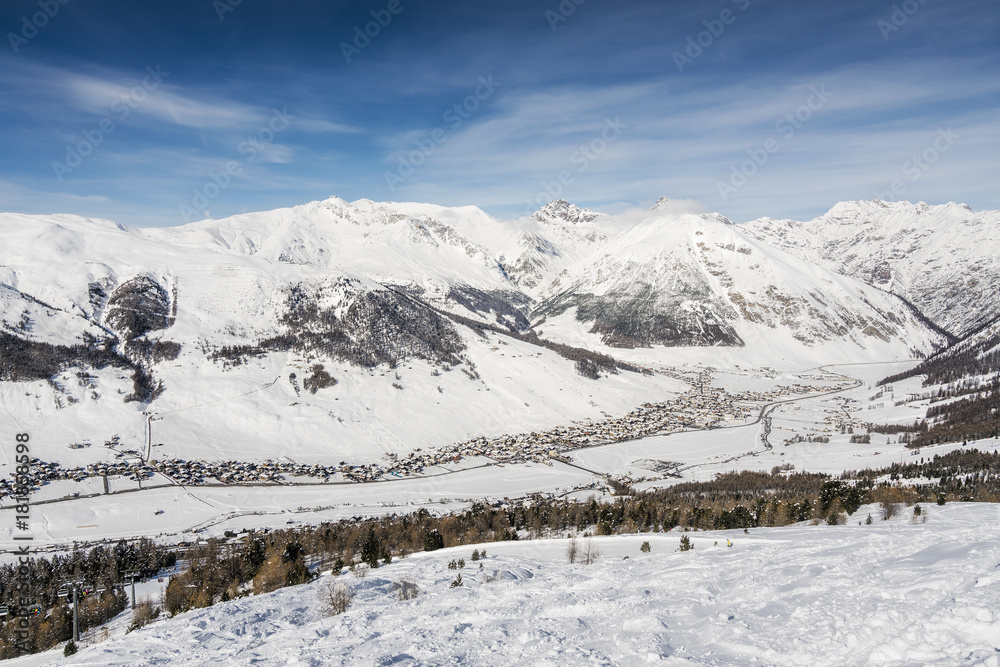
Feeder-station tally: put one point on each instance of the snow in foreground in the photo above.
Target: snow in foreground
(891, 593)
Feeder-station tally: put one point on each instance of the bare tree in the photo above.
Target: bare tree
(572, 549)
(145, 612)
(338, 597)
(590, 552)
(408, 590)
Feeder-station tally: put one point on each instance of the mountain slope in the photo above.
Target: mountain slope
(973, 358)
(945, 259)
(688, 279)
(891, 593)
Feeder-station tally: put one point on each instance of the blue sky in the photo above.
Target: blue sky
(156, 113)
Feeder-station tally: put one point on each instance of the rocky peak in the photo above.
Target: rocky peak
(661, 203)
(562, 211)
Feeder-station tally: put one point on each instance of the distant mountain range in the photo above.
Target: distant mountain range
(345, 292)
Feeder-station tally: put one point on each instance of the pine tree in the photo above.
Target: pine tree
(371, 549)
(433, 541)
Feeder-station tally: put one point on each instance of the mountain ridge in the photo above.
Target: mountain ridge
(944, 259)
(403, 324)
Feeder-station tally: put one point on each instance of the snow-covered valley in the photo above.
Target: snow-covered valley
(332, 343)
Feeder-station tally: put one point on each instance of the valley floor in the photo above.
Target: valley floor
(891, 593)
(172, 512)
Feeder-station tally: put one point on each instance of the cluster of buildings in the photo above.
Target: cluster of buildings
(703, 406)
(841, 419)
(257, 472)
(195, 472)
(42, 472)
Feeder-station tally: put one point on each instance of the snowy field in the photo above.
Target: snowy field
(233, 508)
(193, 511)
(892, 593)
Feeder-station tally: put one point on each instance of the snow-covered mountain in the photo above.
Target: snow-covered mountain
(692, 279)
(323, 327)
(944, 259)
(563, 235)
(369, 328)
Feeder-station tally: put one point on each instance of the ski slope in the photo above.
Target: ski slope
(890, 593)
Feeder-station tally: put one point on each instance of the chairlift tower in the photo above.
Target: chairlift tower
(129, 579)
(73, 590)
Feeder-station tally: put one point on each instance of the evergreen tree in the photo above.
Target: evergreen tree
(433, 541)
(371, 548)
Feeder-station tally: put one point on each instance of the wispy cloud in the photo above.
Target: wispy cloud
(147, 92)
(324, 126)
(167, 104)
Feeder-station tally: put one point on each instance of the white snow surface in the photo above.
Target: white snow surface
(227, 280)
(945, 259)
(890, 593)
